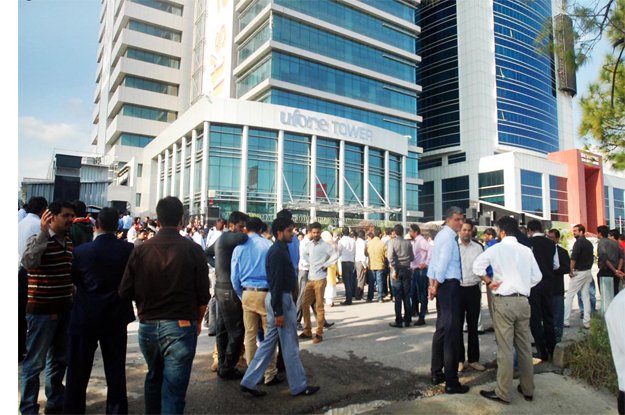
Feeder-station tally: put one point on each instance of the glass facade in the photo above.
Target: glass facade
(412, 165)
(296, 172)
(261, 170)
(153, 30)
(224, 166)
(412, 197)
(354, 174)
(439, 101)
(327, 171)
(619, 207)
(154, 114)
(526, 92)
(426, 201)
(151, 57)
(150, 85)
(253, 43)
(491, 187)
(376, 177)
(161, 5)
(398, 9)
(532, 192)
(559, 200)
(134, 140)
(455, 192)
(251, 12)
(606, 196)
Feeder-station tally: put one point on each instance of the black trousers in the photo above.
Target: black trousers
(621, 403)
(401, 292)
(448, 333)
(22, 301)
(347, 268)
(541, 320)
(81, 350)
(230, 330)
(470, 310)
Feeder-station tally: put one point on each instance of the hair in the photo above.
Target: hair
(581, 228)
(361, 234)
(470, 223)
(107, 220)
(555, 232)
(314, 225)
(220, 220)
(614, 233)
(387, 230)
(58, 205)
(169, 211)
(80, 208)
(345, 231)
(453, 210)
(399, 230)
(370, 235)
(377, 232)
(280, 224)
(415, 228)
(534, 226)
(509, 225)
(254, 225)
(264, 228)
(284, 213)
(36, 205)
(603, 230)
(491, 232)
(237, 217)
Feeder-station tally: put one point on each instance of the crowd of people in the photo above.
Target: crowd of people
(79, 277)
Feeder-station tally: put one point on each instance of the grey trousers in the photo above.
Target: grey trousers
(512, 328)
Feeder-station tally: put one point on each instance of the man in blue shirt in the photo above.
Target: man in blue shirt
(249, 280)
(445, 274)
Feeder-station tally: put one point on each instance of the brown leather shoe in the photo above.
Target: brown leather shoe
(317, 339)
(304, 336)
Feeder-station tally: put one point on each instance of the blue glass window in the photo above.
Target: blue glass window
(426, 201)
(254, 42)
(396, 8)
(491, 187)
(254, 77)
(394, 181)
(558, 199)
(296, 167)
(531, 192)
(134, 140)
(619, 207)
(354, 174)
(157, 31)
(251, 12)
(455, 192)
(261, 170)
(327, 170)
(152, 57)
(161, 5)
(224, 165)
(352, 19)
(606, 193)
(155, 114)
(412, 165)
(412, 197)
(150, 85)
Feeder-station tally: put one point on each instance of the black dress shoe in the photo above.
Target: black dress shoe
(420, 322)
(459, 388)
(437, 380)
(540, 356)
(254, 392)
(396, 325)
(310, 390)
(327, 325)
(234, 374)
(493, 397)
(346, 303)
(528, 398)
(275, 381)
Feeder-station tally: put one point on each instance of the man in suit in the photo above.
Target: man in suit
(541, 302)
(99, 316)
(558, 285)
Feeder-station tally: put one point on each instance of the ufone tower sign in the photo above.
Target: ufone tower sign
(298, 118)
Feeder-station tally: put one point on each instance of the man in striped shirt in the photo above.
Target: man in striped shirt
(48, 261)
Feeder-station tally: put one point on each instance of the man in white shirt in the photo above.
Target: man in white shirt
(515, 272)
(470, 296)
(347, 254)
(215, 232)
(360, 259)
(616, 331)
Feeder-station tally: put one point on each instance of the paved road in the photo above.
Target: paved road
(360, 360)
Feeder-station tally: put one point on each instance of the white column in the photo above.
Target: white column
(174, 161)
(183, 163)
(165, 178)
(204, 178)
(159, 171)
(386, 181)
(546, 196)
(192, 170)
(612, 223)
(404, 203)
(341, 183)
(243, 178)
(365, 179)
(313, 177)
(279, 170)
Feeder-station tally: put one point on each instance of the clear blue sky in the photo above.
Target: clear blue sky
(57, 62)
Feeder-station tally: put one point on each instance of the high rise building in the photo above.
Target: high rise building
(330, 124)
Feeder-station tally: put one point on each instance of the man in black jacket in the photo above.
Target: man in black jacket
(541, 303)
(230, 329)
(558, 284)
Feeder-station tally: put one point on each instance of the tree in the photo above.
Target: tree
(603, 112)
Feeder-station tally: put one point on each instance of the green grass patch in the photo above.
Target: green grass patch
(591, 358)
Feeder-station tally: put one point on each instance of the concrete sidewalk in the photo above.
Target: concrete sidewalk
(554, 394)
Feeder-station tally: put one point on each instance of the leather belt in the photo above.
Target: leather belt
(262, 290)
(510, 295)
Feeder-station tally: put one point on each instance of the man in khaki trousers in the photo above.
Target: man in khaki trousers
(515, 272)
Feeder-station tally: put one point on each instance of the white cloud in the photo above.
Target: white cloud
(61, 134)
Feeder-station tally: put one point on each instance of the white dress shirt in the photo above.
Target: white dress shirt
(212, 236)
(616, 331)
(27, 227)
(303, 265)
(513, 264)
(468, 254)
(347, 249)
(319, 255)
(360, 251)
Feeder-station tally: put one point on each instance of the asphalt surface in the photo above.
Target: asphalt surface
(361, 364)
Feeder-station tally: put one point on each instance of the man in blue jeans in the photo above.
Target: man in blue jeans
(167, 277)
(419, 266)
